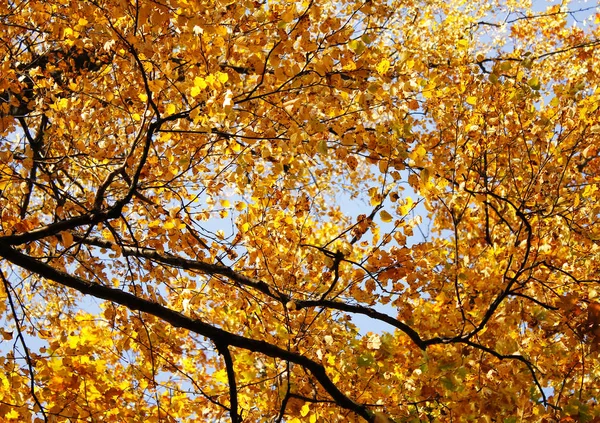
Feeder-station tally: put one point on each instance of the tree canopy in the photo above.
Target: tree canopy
(203, 201)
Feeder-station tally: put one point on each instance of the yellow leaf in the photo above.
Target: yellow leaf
(304, 410)
(462, 44)
(12, 414)
(107, 235)
(534, 83)
(357, 46)
(322, 147)
(67, 239)
(61, 104)
(200, 82)
(4, 182)
(4, 384)
(220, 375)
(472, 100)
(170, 108)
(210, 79)
(136, 117)
(288, 15)
(385, 216)
(222, 77)
(221, 30)
(383, 66)
(425, 176)
(331, 359)
(418, 153)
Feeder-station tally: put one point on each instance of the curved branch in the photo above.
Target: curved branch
(369, 312)
(177, 319)
(55, 228)
(216, 269)
(183, 263)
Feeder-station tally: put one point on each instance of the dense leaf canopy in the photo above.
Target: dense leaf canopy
(321, 211)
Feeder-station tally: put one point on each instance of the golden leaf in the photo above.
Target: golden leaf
(67, 239)
(385, 216)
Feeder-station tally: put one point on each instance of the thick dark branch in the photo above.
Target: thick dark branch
(62, 225)
(233, 399)
(177, 319)
(284, 404)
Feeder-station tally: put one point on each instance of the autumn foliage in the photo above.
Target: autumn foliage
(320, 211)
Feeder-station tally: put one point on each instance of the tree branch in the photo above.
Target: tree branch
(233, 399)
(177, 319)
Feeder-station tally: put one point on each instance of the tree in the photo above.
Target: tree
(198, 198)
